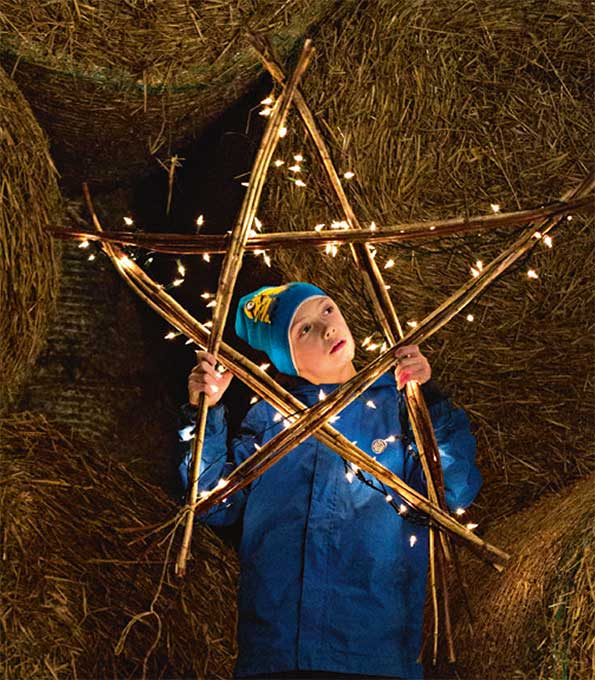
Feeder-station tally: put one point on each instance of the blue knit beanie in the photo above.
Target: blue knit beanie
(264, 317)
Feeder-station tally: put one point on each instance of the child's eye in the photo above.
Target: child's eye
(306, 328)
(328, 310)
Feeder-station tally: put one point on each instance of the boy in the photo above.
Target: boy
(332, 579)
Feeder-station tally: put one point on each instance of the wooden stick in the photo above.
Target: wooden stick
(285, 402)
(191, 244)
(231, 266)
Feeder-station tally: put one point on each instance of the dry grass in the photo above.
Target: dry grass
(117, 83)
(29, 265)
(441, 109)
(84, 545)
(535, 621)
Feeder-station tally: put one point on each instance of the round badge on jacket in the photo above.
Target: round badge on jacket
(378, 445)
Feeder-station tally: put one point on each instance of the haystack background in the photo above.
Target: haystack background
(535, 620)
(118, 85)
(83, 555)
(29, 262)
(442, 109)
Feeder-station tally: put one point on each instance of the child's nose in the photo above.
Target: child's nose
(329, 331)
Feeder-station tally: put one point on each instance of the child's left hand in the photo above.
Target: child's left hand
(412, 366)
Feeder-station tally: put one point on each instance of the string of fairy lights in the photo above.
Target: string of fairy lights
(296, 170)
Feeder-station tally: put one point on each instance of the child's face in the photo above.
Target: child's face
(321, 342)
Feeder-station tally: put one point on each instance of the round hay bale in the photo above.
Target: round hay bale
(99, 374)
(535, 620)
(29, 263)
(86, 591)
(441, 109)
(116, 84)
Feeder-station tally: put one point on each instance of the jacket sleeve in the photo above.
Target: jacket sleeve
(456, 445)
(217, 460)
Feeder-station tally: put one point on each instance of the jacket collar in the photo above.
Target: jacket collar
(298, 385)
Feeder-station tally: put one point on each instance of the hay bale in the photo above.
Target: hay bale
(100, 373)
(118, 84)
(441, 109)
(29, 263)
(83, 545)
(535, 620)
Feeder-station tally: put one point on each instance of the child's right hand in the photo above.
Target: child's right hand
(205, 378)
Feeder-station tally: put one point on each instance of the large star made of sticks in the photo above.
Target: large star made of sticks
(315, 421)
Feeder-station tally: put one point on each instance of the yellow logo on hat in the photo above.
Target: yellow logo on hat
(258, 307)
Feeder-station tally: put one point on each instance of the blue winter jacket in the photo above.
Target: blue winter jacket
(332, 578)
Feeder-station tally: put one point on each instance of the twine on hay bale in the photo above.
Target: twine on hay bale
(535, 620)
(29, 265)
(442, 109)
(83, 556)
(114, 84)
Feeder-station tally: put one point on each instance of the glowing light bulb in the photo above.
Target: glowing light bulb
(186, 433)
(460, 511)
(349, 174)
(474, 272)
(295, 168)
(257, 223)
(321, 395)
(125, 262)
(471, 526)
(548, 241)
(412, 540)
(254, 399)
(84, 244)
(181, 268)
(267, 260)
(91, 257)
(299, 183)
(177, 282)
(537, 235)
(367, 341)
(412, 323)
(373, 226)
(268, 101)
(264, 367)
(298, 157)
(402, 508)
(370, 404)
(128, 221)
(278, 163)
(389, 263)
(532, 274)
(170, 336)
(200, 220)
(470, 317)
(495, 207)
(212, 303)
(206, 295)
(277, 418)
(349, 476)
(388, 498)
(319, 227)
(479, 265)
(334, 419)
(282, 132)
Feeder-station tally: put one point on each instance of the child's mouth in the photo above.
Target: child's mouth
(337, 346)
